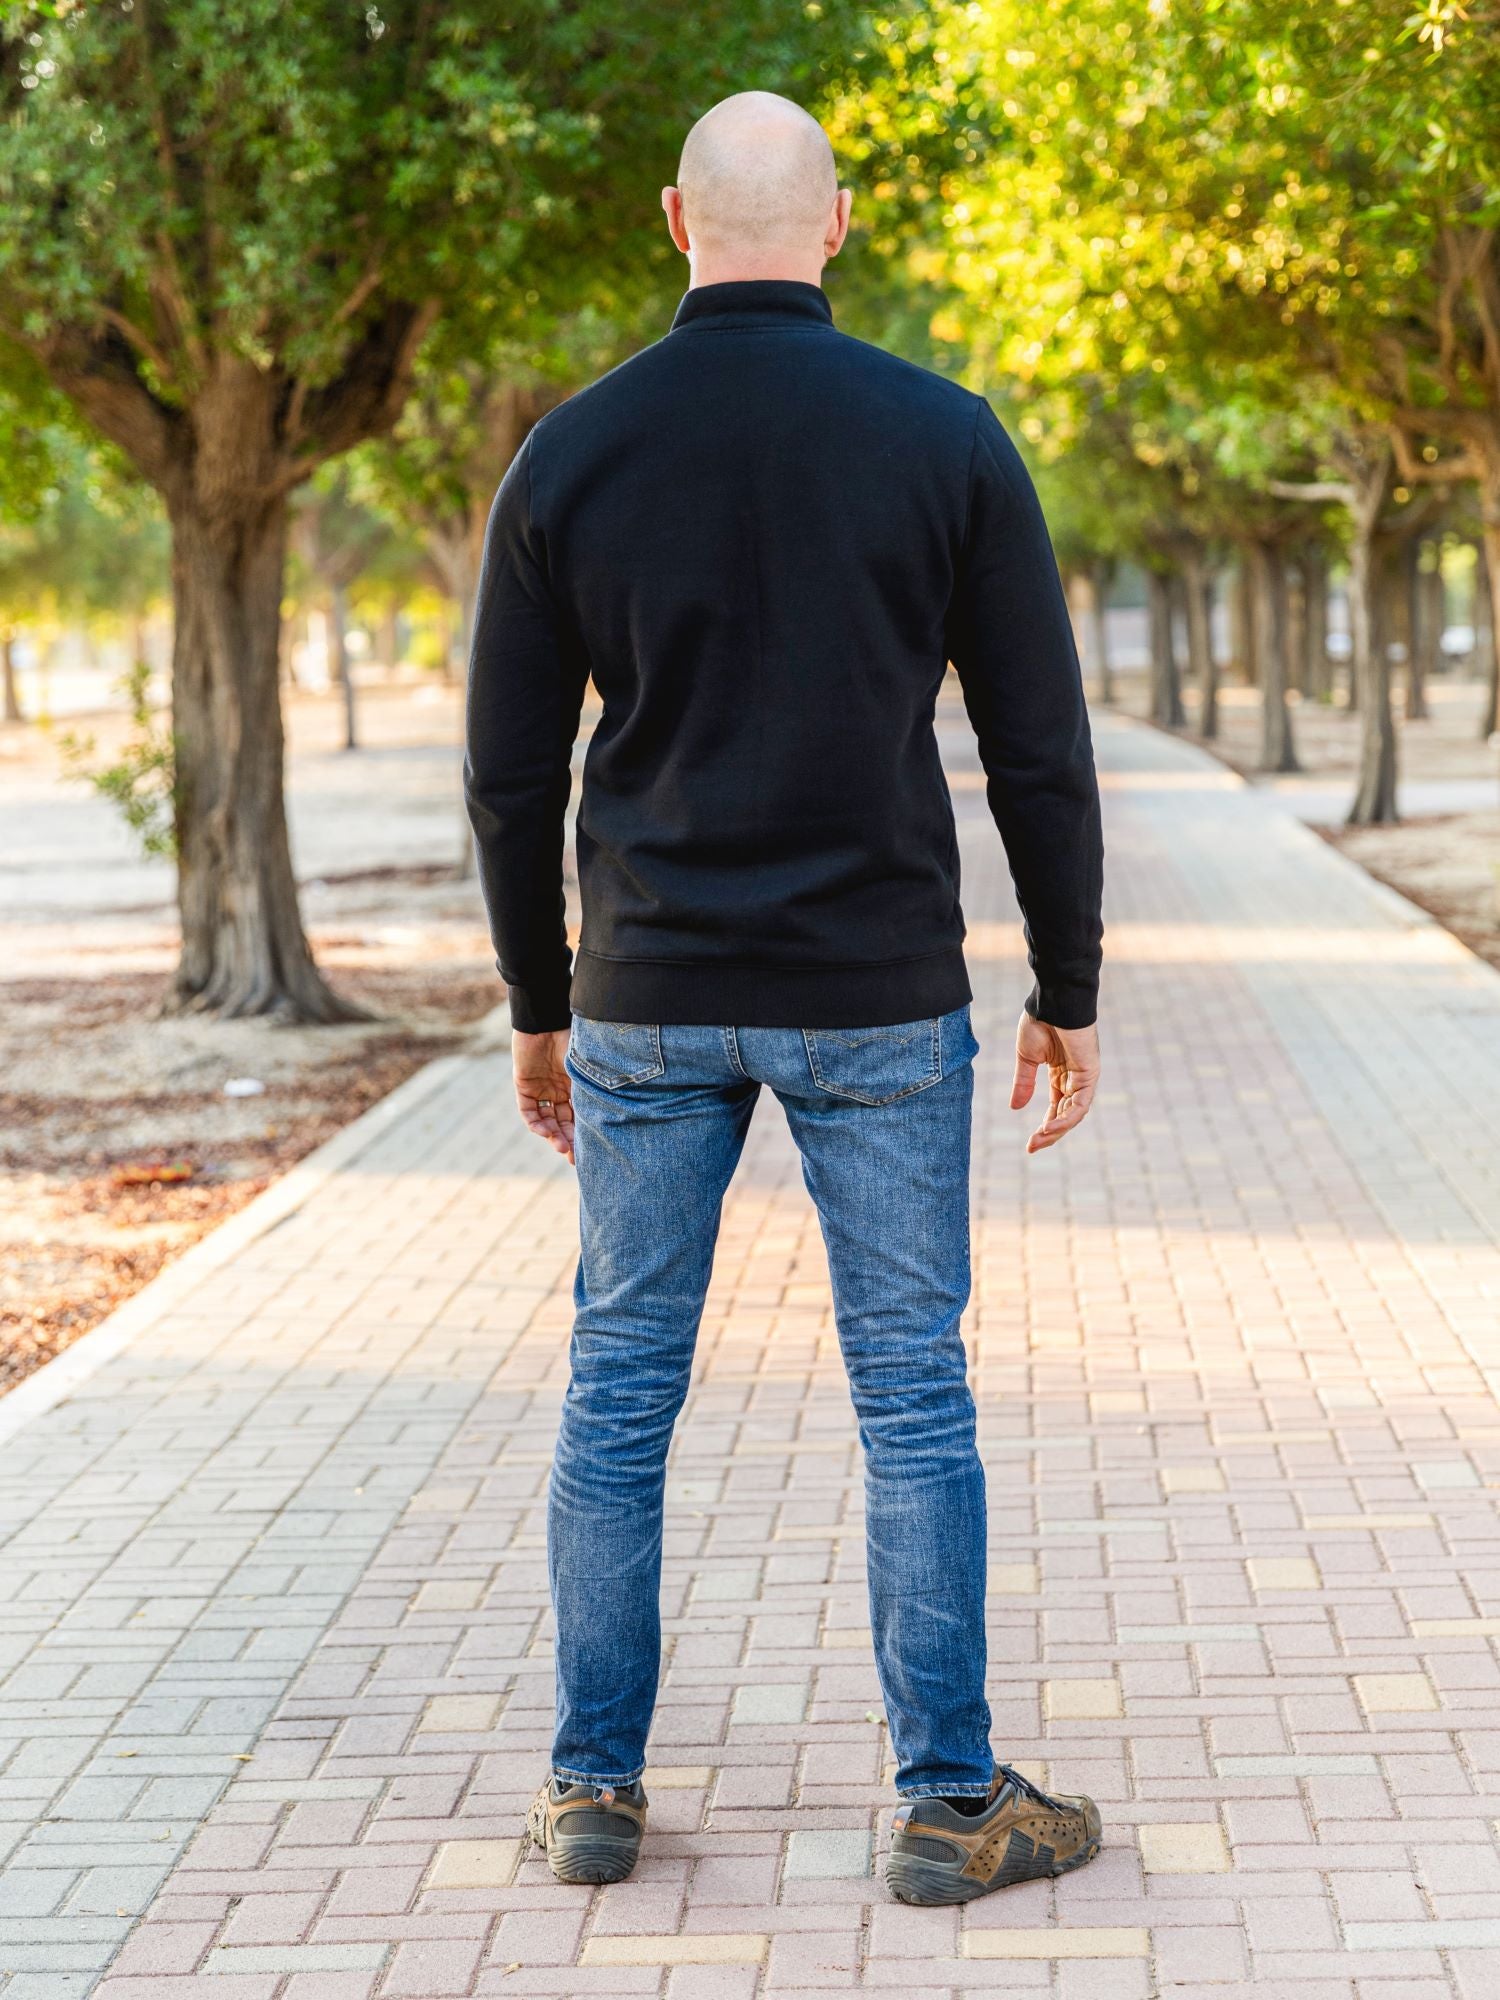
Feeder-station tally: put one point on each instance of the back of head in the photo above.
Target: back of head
(757, 177)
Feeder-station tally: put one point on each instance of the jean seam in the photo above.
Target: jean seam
(732, 1050)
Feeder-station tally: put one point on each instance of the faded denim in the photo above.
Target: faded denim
(881, 1117)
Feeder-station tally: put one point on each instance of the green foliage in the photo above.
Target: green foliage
(1211, 242)
(141, 783)
(213, 176)
(79, 538)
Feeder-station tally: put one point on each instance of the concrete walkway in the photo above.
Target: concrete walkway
(274, 1599)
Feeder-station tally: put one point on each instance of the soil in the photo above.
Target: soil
(1448, 864)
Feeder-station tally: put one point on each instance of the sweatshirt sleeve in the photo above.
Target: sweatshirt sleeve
(1011, 640)
(526, 683)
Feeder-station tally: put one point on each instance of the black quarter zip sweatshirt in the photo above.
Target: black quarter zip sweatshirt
(765, 541)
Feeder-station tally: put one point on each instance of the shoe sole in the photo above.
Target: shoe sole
(584, 1857)
(591, 1858)
(912, 1879)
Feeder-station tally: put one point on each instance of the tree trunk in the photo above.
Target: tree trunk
(12, 690)
(1241, 634)
(1166, 689)
(1296, 624)
(390, 638)
(1201, 663)
(1370, 659)
(1317, 681)
(1415, 631)
(243, 948)
(1268, 576)
(1104, 679)
(338, 618)
(1486, 627)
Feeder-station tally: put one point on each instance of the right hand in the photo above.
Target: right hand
(544, 1090)
(1071, 1058)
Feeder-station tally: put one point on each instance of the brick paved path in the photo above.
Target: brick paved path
(274, 1601)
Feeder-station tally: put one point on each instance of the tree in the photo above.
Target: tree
(1302, 192)
(226, 229)
(338, 541)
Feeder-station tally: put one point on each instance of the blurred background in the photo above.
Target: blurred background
(282, 290)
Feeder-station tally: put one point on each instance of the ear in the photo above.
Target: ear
(838, 223)
(671, 201)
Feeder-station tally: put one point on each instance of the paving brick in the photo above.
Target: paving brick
(724, 1948)
(1086, 1699)
(460, 1712)
(1394, 1693)
(474, 1864)
(769, 1704)
(433, 1969)
(1186, 1848)
(828, 1856)
(1065, 1941)
(1284, 1573)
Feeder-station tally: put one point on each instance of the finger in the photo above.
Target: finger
(565, 1129)
(545, 1126)
(1070, 1110)
(554, 1123)
(1025, 1081)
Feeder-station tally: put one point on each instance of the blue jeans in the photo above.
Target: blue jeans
(881, 1117)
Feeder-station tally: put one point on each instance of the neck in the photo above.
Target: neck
(709, 268)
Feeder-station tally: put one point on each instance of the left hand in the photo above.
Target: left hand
(544, 1090)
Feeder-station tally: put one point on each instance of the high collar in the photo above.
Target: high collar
(754, 302)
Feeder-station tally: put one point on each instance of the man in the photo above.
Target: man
(765, 542)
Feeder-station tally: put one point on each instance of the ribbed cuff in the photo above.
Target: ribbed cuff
(539, 1010)
(1064, 1003)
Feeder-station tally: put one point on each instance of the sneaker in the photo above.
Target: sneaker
(940, 1855)
(589, 1833)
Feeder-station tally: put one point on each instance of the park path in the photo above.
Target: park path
(274, 1606)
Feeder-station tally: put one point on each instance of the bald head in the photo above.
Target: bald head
(757, 189)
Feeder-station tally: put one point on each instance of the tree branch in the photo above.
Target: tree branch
(97, 372)
(364, 399)
(1416, 471)
(141, 341)
(168, 289)
(1320, 492)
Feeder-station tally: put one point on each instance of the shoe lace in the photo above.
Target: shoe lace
(1027, 1789)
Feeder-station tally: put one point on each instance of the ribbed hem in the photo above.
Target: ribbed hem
(759, 996)
(1064, 1004)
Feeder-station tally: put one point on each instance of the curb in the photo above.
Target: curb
(56, 1379)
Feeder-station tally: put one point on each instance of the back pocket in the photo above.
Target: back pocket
(876, 1065)
(615, 1053)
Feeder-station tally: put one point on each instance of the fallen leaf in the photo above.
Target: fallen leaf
(153, 1173)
